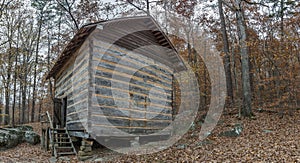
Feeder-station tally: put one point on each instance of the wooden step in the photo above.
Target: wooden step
(66, 153)
(61, 133)
(64, 147)
(62, 142)
(63, 137)
(59, 129)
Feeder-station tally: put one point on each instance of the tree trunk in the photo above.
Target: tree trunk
(246, 110)
(28, 100)
(7, 85)
(35, 70)
(227, 65)
(24, 86)
(19, 107)
(15, 91)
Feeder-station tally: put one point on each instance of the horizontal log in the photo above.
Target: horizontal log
(77, 106)
(73, 97)
(104, 81)
(72, 71)
(96, 109)
(77, 97)
(76, 125)
(111, 101)
(107, 91)
(132, 119)
(146, 70)
(139, 71)
(94, 127)
(78, 115)
(135, 96)
(108, 120)
(76, 79)
(130, 123)
(118, 75)
(129, 113)
(116, 51)
(145, 51)
(78, 85)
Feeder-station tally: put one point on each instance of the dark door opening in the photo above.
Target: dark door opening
(57, 112)
(64, 112)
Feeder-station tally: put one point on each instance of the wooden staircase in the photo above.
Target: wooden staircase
(61, 142)
(58, 139)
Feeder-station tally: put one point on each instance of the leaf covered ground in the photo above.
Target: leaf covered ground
(267, 138)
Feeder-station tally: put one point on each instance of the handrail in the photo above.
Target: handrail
(50, 120)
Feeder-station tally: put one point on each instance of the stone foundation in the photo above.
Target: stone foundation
(85, 151)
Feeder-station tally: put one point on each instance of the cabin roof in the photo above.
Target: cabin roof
(135, 31)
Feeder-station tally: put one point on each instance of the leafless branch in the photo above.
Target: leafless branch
(68, 10)
(255, 3)
(137, 7)
(3, 5)
(131, 3)
(228, 5)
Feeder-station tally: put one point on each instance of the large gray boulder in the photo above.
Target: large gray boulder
(11, 137)
(8, 139)
(32, 137)
(24, 128)
(234, 132)
(19, 133)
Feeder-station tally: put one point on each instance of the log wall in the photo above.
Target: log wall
(128, 91)
(72, 84)
(110, 87)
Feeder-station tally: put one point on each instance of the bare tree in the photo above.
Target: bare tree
(227, 64)
(238, 8)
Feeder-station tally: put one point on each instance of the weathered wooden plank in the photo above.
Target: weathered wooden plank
(146, 70)
(145, 80)
(131, 44)
(80, 52)
(71, 71)
(108, 100)
(133, 119)
(108, 120)
(101, 130)
(77, 106)
(104, 48)
(76, 126)
(130, 114)
(63, 92)
(136, 94)
(128, 127)
(69, 85)
(108, 91)
(131, 69)
(81, 114)
(96, 109)
(78, 97)
(104, 81)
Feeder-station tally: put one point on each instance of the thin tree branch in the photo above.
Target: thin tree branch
(131, 2)
(228, 5)
(255, 3)
(3, 5)
(69, 12)
(137, 7)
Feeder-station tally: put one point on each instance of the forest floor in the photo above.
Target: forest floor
(267, 138)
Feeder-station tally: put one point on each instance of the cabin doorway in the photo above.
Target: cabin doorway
(64, 112)
(60, 113)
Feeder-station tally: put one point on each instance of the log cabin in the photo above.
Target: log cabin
(116, 75)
